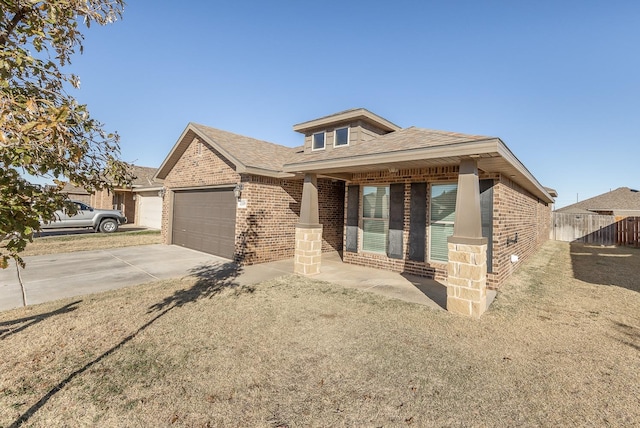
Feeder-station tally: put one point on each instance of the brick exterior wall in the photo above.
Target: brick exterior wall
(103, 199)
(199, 166)
(436, 270)
(514, 210)
(331, 197)
(265, 229)
(80, 197)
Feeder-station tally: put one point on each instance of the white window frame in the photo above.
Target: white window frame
(313, 141)
(430, 260)
(335, 136)
(384, 220)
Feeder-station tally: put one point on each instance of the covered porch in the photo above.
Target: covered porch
(406, 179)
(394, 285)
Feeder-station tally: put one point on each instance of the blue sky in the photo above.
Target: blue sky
(557, 81)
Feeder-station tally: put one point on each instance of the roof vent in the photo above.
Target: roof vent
(634, 190)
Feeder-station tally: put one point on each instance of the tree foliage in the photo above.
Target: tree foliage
(44, 131)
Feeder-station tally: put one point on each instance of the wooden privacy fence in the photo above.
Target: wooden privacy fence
(628, 231)
(596, 229)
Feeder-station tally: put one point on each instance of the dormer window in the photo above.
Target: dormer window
(317, 141)
(341, 137)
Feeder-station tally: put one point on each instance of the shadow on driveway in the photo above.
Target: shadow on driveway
(211, 279)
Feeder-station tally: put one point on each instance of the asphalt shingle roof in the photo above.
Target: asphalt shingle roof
(622, 198)
(143, 178)
(249, 151)
(404, 139)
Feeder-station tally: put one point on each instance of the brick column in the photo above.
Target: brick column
(308, 251)
(467, 268)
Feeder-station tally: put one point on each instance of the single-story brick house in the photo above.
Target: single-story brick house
(622, 202)
(445, 205)
(141, 202)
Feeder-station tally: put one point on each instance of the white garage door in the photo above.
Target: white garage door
(150, 210)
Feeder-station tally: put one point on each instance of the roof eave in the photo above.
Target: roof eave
(347, 116)
(266, 172)
(481, 149)
(508, 155)
(459, 149)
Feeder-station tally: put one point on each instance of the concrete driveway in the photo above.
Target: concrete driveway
(56, 276)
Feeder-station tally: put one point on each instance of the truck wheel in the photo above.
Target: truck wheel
(108, 225)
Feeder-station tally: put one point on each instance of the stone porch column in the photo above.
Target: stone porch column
(308, 251)
(467, 268)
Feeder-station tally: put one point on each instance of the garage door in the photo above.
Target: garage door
(150, 210)
(205, 220)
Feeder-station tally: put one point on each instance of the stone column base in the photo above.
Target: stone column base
(467, 279)
(308, 250)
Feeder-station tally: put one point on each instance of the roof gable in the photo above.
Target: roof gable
(347, 116)
(244, 153)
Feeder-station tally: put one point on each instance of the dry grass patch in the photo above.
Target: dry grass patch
(553, 350)
(91, 241)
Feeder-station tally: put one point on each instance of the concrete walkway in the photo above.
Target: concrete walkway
(57, 276)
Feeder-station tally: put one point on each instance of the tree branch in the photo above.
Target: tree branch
(4, 37)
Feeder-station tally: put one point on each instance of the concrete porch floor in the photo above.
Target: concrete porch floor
(410, 288)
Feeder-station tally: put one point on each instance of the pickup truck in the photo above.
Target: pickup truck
(106, 221)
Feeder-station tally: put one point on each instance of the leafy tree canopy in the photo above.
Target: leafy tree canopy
(43, 130)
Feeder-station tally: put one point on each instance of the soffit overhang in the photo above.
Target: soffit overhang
(492, 155)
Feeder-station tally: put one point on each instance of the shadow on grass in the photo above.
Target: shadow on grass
(618, 266)
(37, 406)
(211, 279)
(630, 333)
(8, 328)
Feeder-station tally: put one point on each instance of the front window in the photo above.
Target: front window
(317, 142)
(441, 220)
(341, 137)
(375, 218)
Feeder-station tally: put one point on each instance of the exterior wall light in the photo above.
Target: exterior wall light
(161, 193)
(237, 191)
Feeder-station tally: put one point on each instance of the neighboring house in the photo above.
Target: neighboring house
(141, 202)
(444, 205)
(621, 202)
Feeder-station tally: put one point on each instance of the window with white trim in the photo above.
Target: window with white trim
(375, 218)
(341, 137)
(317, 141)
(442, 208)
